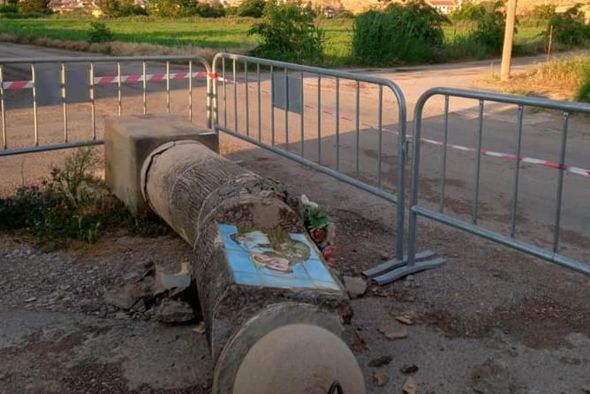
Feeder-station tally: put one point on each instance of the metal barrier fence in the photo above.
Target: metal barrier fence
(66, 83)
(292, 102)
(566, 108)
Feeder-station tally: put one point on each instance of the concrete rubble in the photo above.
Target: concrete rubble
(155, 294)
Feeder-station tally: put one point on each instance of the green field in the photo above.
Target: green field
(232, 34)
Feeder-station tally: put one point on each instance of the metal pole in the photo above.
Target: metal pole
(357, 127)
(246, 101)
(380, 128)
(168, 87)
(2, 109)
(92, 101)
(516, 172)
(508, 40)
(190, 91)
(302, 127)
(119, 104)
(63, 101)
(477, 172)
(34, 92)
(144, 88)
(557, 222)
(443, 175)
(319, 119)
(337, 123)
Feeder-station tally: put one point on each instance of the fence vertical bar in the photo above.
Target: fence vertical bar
(557, 222)
(224, 92)
(287, 109)
(34, 93)
(235, 78)
(119, 103)
(357, 126)
(92, 101)
(259, 110)
(380, 128)
(168, 87)
(2, 108)
(64, 101)
(144, 84)
(337, 123)
(443, 165)
(516, 172)
(247, 104)
(319, 119)
(302, 117)
(272, 105)
(478, 163)
(190, 92)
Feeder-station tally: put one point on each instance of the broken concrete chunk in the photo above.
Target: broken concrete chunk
(173, 311)
(393, 331)
(410, 386)
(380, 379)
(356, 287)
(404, 320)
(173, 283)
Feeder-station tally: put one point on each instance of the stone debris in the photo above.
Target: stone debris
(380, 379)
(404, 320)
(356, 287)
(172, 311)
(409, 369)
(393, 331)
(410, 386)
(31, 299)
(156, 294)
(200, 328)
(380, 361)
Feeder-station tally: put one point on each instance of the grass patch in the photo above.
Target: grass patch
(152, 35)
(567, 78)
(71, 204)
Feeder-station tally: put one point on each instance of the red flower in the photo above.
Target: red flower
(318, 235)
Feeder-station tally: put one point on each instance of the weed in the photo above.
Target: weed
(71, 204)
(99, 32)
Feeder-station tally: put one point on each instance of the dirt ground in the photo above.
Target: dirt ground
(489, 321)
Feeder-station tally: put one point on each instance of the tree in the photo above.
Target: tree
(34, 6)
(253, 8)
(288, 32)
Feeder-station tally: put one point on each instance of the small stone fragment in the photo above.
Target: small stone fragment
(393, 331)
(380, 361)
(172, 311)
(200, 328)
(32, 299)
(380, 379)
(409, 369)
(410, 386)
(404, 320)
(356, 287)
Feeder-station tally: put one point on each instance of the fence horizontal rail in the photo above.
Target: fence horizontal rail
(416, 210)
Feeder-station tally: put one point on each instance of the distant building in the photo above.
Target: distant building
(444, 6)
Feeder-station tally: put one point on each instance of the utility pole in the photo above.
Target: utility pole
(508, 39)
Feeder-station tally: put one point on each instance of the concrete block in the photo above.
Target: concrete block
(130, 139)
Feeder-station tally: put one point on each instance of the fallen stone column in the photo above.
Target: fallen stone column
(273, 310)
(267, 298)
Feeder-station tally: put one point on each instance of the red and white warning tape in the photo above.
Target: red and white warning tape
(16, 85)
(511, 157)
